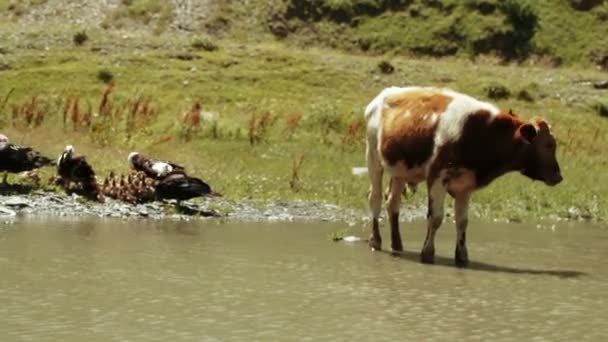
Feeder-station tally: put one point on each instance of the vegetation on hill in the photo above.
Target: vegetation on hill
(556, 30)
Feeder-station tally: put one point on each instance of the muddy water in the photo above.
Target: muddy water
(164, 281)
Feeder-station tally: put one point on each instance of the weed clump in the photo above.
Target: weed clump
(192, 122)
(105, 76)
(80, 38)
(497, 91)
(295, 182)
(529, 92)
(259, 127)
(386, 67)
(204, 43)
(30, 114)
(525, 95)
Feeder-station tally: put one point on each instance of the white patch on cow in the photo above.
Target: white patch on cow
(373, 116)
(456, 114)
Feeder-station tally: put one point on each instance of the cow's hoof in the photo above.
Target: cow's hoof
(427, 256)
(461, 257)
(397, 248)
(375, 244)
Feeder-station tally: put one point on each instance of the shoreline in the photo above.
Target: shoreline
(40, 203)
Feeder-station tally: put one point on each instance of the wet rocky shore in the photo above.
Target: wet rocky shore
(43, 203)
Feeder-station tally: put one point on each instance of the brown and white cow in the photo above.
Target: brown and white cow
(456, 144)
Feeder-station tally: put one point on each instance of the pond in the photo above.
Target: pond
(89, 279)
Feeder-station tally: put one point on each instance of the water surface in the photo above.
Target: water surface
(103, 280)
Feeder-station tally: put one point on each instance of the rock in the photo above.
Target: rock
(6, 212)
(17, 202)
(351, 239)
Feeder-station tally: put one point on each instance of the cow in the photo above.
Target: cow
(454, 143)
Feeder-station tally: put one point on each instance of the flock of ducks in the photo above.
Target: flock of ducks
(149, 180)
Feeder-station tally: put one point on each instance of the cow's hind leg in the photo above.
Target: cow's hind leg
(375, 171)
(392, 208)
(436, 198)
(461, 208)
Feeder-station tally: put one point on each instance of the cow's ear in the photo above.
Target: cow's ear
(527, 132)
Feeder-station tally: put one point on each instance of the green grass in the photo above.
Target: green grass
(325, 89)
(445, 28)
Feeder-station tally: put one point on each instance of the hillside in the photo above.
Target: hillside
(553, 32)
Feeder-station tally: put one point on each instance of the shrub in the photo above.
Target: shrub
(204, 43)
(80, 38)
(105, 75)
(497, 91)
(386, 67)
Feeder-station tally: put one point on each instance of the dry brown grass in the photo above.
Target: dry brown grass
(192, 121)
(259, 126)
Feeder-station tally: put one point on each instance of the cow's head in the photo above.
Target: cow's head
(541, 162)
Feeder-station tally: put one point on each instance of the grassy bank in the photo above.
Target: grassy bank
(278, 123)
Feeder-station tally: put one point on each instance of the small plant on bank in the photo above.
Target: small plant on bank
(259, 127)
(294, 182)
(204, 43)
(80, 38)
(31, 113)
(292, 122)
(105, 75)
(191, 122)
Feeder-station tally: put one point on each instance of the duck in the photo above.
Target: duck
(132, 188)
(73, 169)
(17, 159)
(179, 186)
(152, 168)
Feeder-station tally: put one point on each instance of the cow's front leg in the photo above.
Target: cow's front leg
(461, 208)
(392, 208)
(436, 197)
